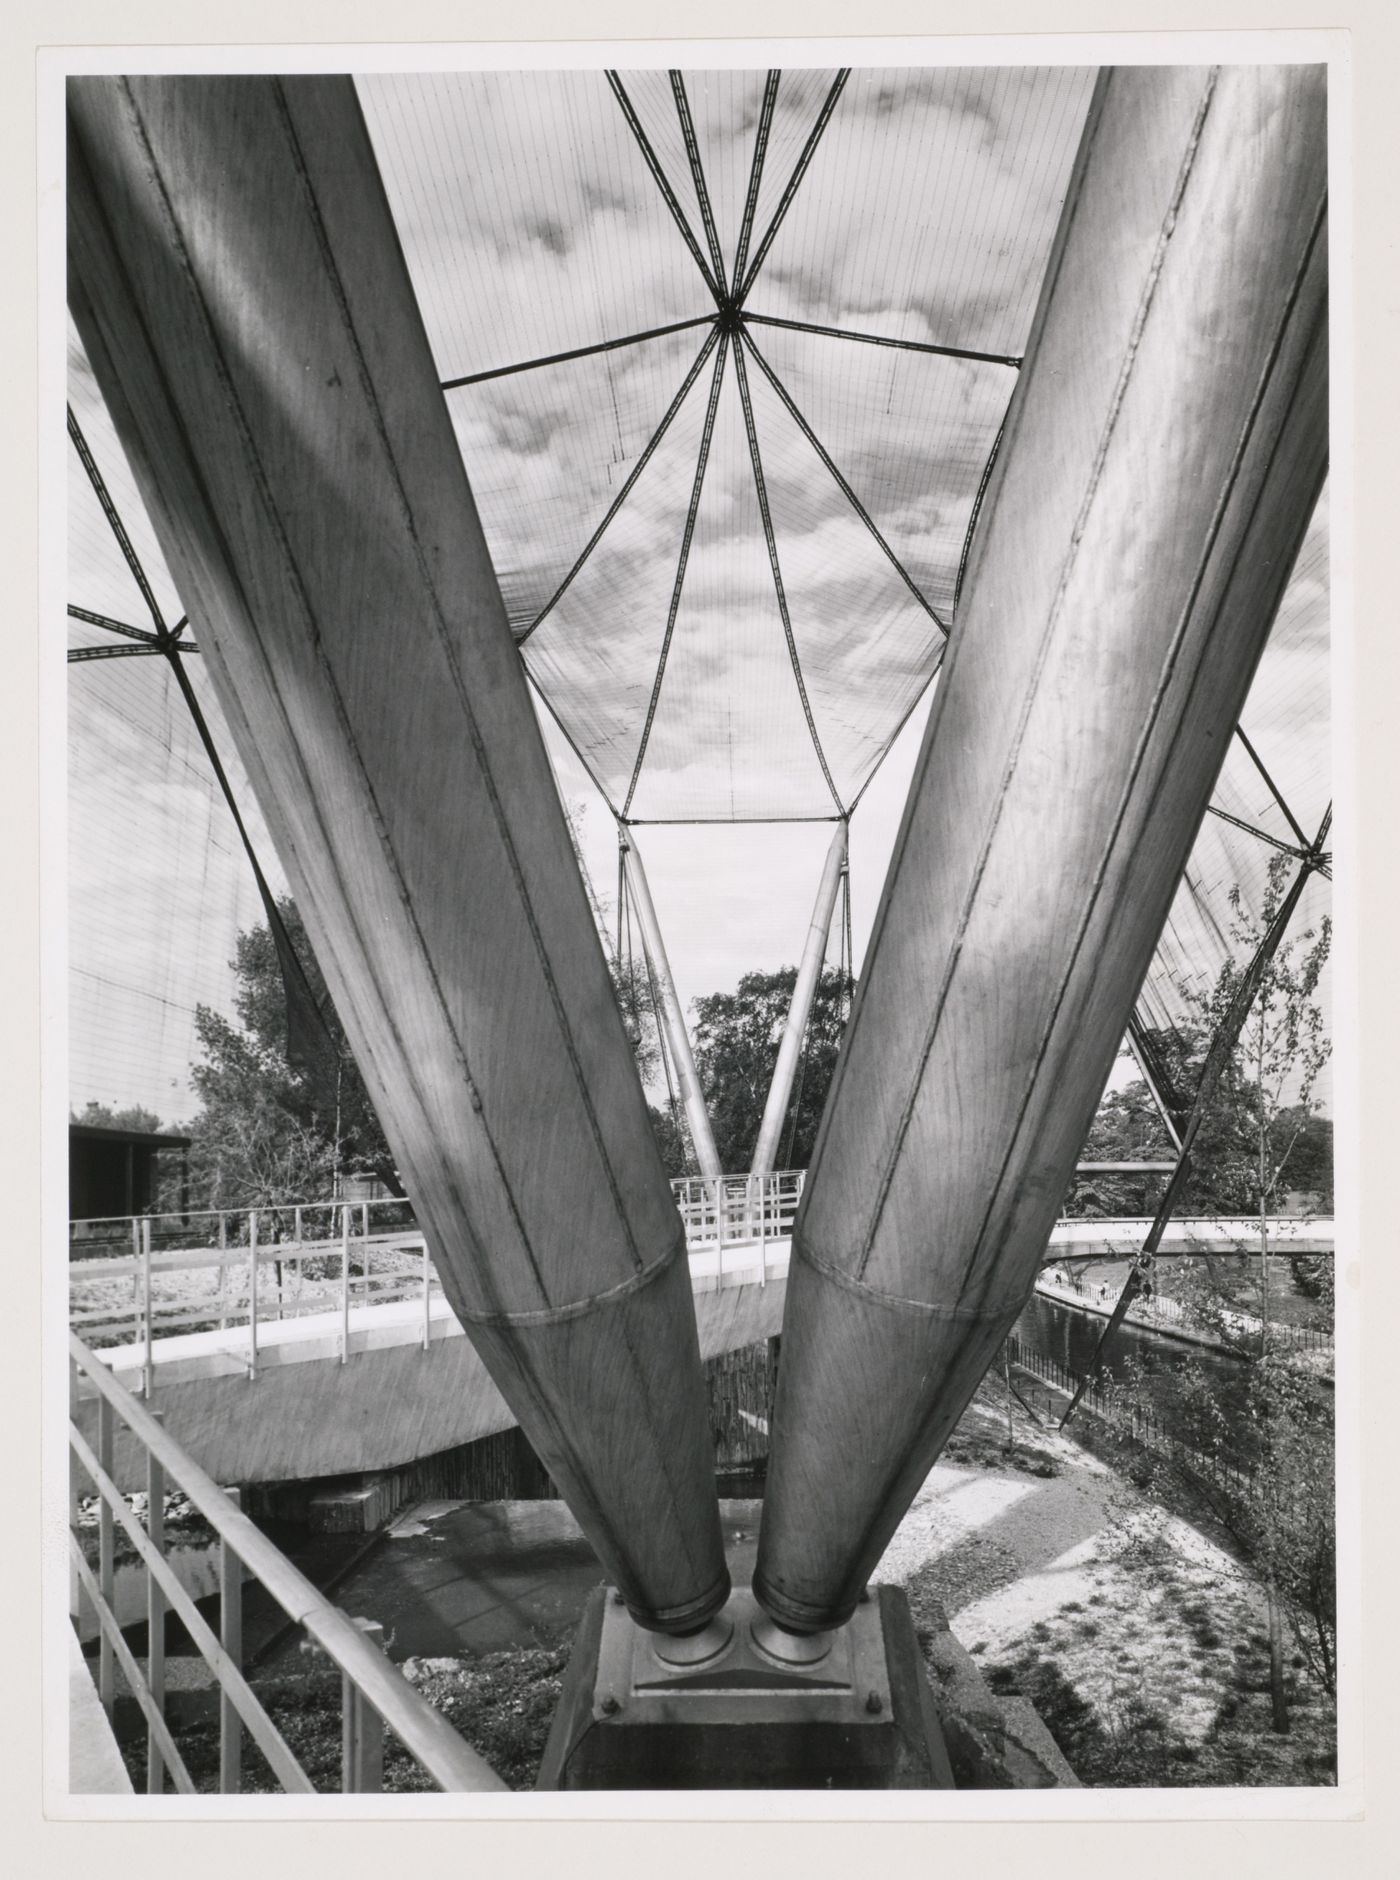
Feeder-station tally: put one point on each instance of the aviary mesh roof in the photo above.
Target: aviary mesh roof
(635, 509)
(729, 552)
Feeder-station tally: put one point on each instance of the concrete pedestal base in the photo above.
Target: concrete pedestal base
(856, 1713)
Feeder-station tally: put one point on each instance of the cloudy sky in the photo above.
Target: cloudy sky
(533, 223)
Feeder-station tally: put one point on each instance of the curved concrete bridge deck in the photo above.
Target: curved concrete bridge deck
(373, 1386)
(336, 1393)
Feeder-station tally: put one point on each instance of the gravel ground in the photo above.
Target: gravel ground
(1139, 1640)
(1142, 1646)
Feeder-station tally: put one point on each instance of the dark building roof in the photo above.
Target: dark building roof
(138, 1138)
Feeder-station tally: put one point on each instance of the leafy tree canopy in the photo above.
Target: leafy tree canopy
(1129, 1128)
(103, 1116)
(267, 1131)
(736, 1047)
(1262, 1135)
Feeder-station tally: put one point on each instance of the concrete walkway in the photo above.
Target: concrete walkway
(459, 1576)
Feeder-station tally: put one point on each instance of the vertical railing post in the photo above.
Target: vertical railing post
(136, 1276)
(231, 1638)
(427, 1303)
(252, 1293)
(106, 1553)
(298, 1232)
(223, 1268)
(362, 1729)
(148, 1369)
(344, 1282)
(155, 1618)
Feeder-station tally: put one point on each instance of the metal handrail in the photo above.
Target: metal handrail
(348, 1232)
(753, 1215)
(369, 1678)
(752, 1210)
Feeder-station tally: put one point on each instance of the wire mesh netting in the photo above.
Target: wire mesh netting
(906, 213)
(159, 883)
(728, 526)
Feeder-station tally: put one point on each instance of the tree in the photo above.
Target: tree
(1289, 1515)
(103, 1116)
(636, 1001)
(1278, 1427)
(1282, 1050)
(267, 1132)
(1260, 1463)
(736, 1047)
(1128, 1127)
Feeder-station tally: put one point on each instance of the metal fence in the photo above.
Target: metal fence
(133, 1280)
(156, 1276)
(1130, 1416)
(728, 1210)
(374, 1694)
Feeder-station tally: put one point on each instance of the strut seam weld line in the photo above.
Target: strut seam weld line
(232, 705)
(1145, 299)
(1262, 388)
(505, 833)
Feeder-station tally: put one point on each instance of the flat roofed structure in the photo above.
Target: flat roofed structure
(114, 1171)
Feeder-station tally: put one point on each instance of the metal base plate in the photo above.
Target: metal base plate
(741, 1681)
(746, 1707)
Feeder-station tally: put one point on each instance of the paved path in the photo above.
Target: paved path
(457, 1576)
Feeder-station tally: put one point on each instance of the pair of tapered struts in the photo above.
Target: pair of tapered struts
(237, 280)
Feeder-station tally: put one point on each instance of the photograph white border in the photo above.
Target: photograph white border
(1150, 47)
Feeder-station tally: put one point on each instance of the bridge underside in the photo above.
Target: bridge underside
(309, 1415)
